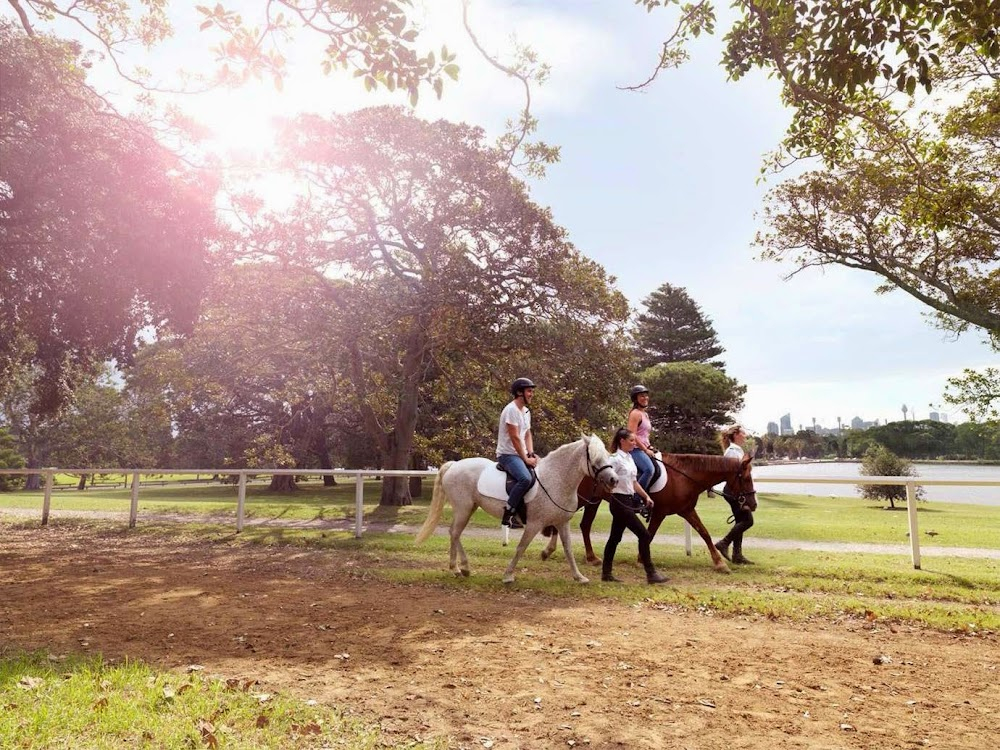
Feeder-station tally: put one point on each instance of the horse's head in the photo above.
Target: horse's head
(740, 486)
(599, 463)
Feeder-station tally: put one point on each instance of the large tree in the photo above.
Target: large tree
(674, 329)
(442, 250)
(103, 233)
(691, 402)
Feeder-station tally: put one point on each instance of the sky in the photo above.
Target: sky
(659, 186)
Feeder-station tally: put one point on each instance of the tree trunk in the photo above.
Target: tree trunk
(282, 483)
(396, 490)
(325, 462)
(82, 484)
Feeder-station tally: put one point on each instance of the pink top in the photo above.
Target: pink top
(642, 431)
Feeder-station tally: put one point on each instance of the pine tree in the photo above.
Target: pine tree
(674, 329)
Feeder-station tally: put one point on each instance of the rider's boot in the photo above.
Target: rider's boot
(508, 514)
(738, 556)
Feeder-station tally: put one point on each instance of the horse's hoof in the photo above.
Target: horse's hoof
(723, 569)
(583, 579)
(465, 573)
(508, 579)
(594, 560)
(545, 554)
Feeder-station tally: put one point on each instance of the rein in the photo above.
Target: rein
(739, 499)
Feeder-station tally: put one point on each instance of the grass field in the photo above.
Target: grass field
(794, 517)
(78, 701)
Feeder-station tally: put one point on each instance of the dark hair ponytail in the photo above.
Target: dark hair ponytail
(616, 443)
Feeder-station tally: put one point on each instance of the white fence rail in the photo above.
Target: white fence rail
(48, 474)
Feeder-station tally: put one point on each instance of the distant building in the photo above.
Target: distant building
(772, 428)
(786, 425)
(934, 416)
(944, 417)
(857, 423)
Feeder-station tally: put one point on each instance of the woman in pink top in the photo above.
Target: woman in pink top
(639, 424)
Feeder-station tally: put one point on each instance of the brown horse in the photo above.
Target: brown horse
(688, 475)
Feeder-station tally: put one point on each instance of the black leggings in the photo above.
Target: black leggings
(742, 518)
(622, 517)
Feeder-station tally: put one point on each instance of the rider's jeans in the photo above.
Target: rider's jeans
(645, 466)
(515, 466)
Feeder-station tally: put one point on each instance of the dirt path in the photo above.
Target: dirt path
(501, 669)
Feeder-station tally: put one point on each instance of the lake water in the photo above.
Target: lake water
(850, 470)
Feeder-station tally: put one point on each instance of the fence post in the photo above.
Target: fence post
(687, 538)
(134, 510)
(911, 512)
(359, 503)
(241, 499)
(47, 500)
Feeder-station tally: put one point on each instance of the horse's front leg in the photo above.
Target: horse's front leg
(530, 530)
(568, 549)
(589, 514)
(692, 518)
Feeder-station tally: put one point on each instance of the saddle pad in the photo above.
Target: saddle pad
(493, 483)
(661, 481)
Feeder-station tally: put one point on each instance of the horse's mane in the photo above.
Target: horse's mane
(592, 442)
(701, 461)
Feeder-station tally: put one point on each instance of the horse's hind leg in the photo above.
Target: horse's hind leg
(529, 533)
(692, 518)
(589, 514)
(459, 521)
(567, 548)
(551, 546)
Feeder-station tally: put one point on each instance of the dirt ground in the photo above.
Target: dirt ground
(504, 669)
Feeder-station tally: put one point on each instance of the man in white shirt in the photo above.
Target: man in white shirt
(515, 451)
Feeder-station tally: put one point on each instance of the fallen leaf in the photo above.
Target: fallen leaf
(262, 721)
(706, 702)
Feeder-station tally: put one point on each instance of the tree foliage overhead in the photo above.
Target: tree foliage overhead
(674, 329)
(376, 39)
(837, 60)
(978, 393)
(102, 232)
(918, 207)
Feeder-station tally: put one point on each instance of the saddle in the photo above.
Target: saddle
(659, 479)
(497, 484)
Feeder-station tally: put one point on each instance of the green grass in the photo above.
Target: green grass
(77, 702)
(794, 517)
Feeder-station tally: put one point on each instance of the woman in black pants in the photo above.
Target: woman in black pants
(623, 507)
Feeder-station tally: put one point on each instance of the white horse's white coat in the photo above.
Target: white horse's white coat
(552, 501)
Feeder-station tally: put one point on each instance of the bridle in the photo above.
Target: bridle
(593, 469)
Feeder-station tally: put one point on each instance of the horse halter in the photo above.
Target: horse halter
(595, 471)
(743, 497)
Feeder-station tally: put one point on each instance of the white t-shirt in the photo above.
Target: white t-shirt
(511, 414)
(625, 472)
(734, 451)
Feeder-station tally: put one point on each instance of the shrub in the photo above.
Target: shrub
(9, 459)
(879, 461)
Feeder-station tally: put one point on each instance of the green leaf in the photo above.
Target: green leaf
(451, 71)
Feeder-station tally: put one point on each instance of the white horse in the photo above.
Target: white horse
(550, 502)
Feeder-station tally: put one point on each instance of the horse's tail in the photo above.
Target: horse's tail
(437, 505)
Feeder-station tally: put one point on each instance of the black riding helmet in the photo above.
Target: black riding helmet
(635, 391)
(519, 385)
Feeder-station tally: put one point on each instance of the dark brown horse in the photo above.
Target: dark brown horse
(688, 475)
